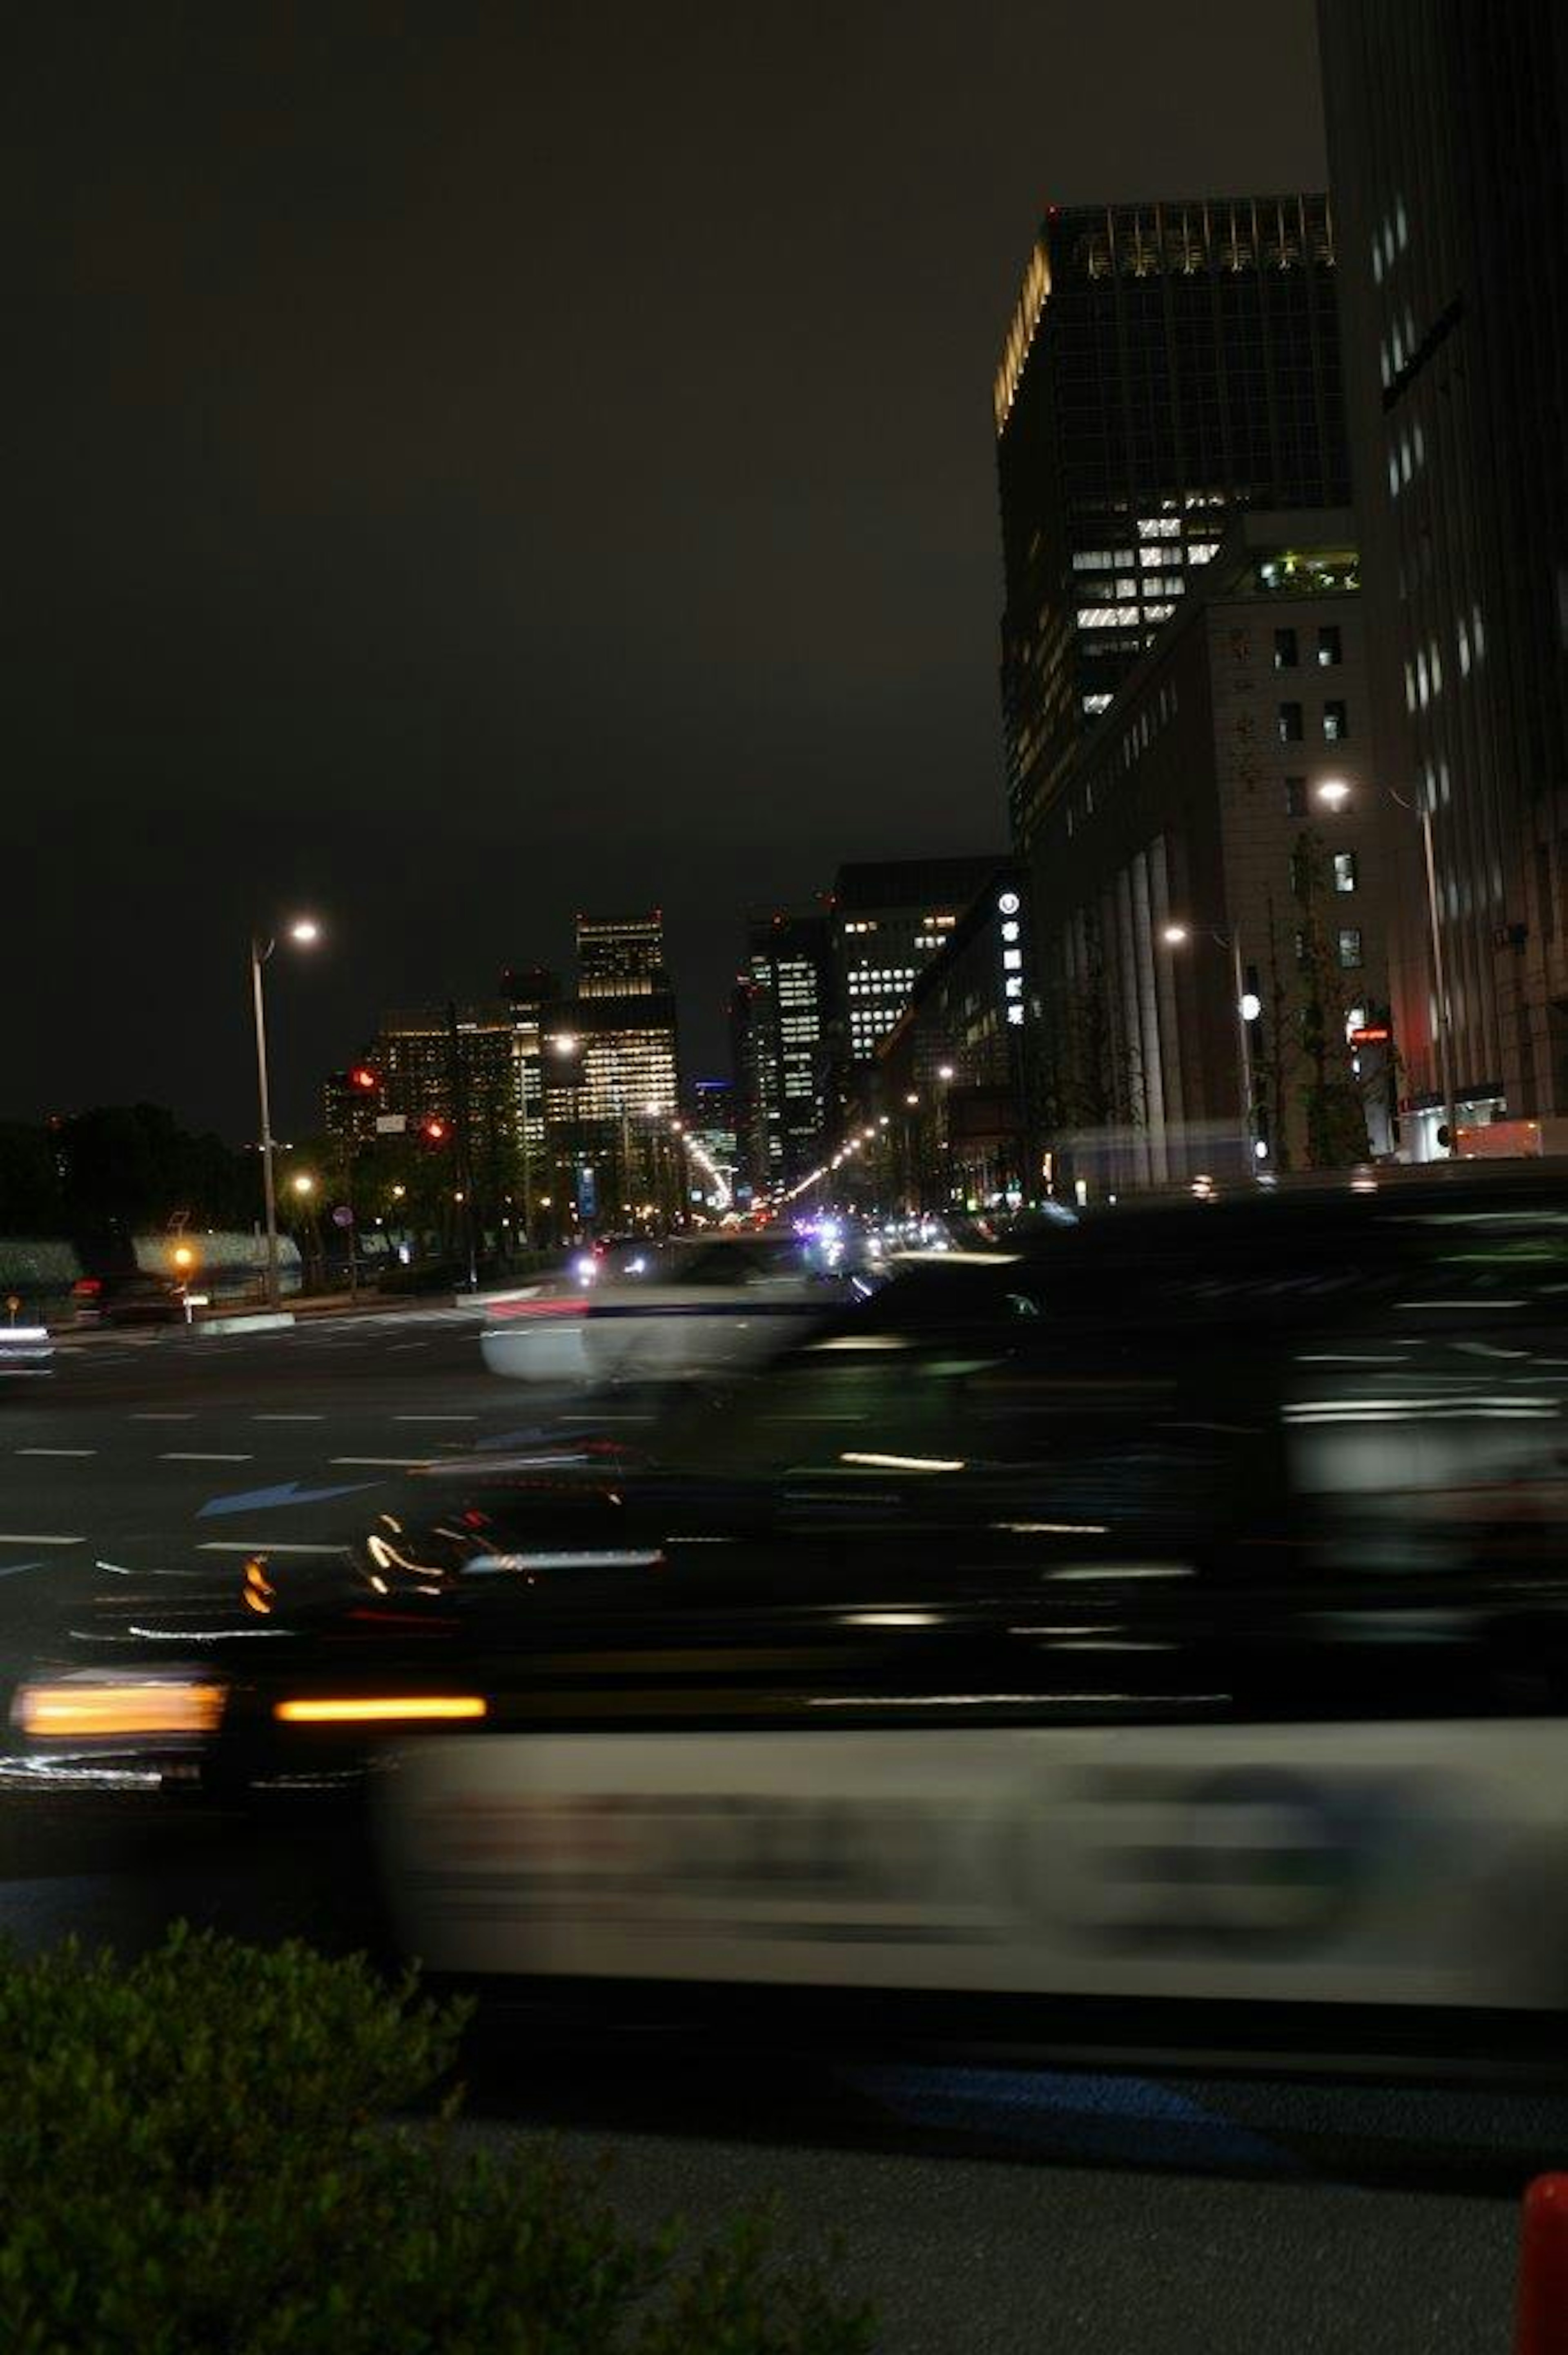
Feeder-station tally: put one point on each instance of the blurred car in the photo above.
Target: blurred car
(25, 1349)
(133, 1297)
(1172, 1610)
(711, 1305)
(534, 1333)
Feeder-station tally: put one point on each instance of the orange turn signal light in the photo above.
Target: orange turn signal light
(380, 1708)
(92, 1709)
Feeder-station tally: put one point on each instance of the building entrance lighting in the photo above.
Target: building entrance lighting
(305, 932)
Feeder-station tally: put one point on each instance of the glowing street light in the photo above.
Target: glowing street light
(305, 932)
(303, 1184)
(1333, 793)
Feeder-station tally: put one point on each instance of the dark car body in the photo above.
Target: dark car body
(129, 1296)
(1174, 1609)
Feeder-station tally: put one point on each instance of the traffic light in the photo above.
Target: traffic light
(363, 1080)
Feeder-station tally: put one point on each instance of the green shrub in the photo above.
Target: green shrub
(197, 2158)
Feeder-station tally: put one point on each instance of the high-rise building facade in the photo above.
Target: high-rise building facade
(1206, 897)
(890, 917)
(1166, 362)
(786, 1055)
(1446, 124)
(622, 956)
(609, 1072)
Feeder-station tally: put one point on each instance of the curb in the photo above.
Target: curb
(272, 1323)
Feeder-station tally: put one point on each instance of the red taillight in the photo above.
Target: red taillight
(86, 1287)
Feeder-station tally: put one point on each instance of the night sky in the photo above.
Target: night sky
(468, 465)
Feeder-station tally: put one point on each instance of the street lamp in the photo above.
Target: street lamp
(1334, 792)
(304, 932)
(1248, 1008)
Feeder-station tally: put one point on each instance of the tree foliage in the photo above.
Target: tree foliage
(199, 2155)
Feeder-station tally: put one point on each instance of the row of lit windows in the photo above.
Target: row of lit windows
(1290, 722)
(1286, 648)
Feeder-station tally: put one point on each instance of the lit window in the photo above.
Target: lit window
(1336, 723)
(1351, 947)
(1344, 871)
(1288, 723)
(1286, 655)
(1329, 653)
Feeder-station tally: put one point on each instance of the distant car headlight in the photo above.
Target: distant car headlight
(94, 1708)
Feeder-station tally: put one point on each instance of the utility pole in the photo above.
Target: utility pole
(464, 1155)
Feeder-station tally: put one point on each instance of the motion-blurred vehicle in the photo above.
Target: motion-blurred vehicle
(712, 1306)
(26, 1347)
(534, 1332)
(132, 1297)
(1171, 1612)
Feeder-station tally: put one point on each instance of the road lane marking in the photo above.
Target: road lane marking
(160, 1417)
(435, 1418)
(13, 1537)
(200, 1455)
(389, 1463)
(287, 1418)
(396, 1348)
(57, 1450)
(14, 1569)
(261, 1545)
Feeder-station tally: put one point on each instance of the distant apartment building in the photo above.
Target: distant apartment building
(1447, 129)
(1210, 935)
(1166, 363)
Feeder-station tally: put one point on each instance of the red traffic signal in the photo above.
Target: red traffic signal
(434, 1132)
(362, 1079)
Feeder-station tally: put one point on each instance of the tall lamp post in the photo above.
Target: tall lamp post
(304, 932)
(1247, 1010)
(1334, 792)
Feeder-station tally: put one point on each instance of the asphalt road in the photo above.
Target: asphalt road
(992, 2207)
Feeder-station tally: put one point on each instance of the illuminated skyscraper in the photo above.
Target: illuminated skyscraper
(1446, 127)
(1165, 363)
(622, 956)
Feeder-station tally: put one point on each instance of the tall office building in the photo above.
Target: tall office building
(783, 1065)
(890, 917)
(1165, 363)
(609, 1069)
(529, 991)
(622, 956)
(1447, 126)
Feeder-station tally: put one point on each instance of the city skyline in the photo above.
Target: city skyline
(574, 560)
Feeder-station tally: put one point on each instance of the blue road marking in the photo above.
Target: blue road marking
(263, 1500)
(10, 1569)
(1108, 2118)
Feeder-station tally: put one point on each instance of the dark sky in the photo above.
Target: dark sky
(466, 466)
